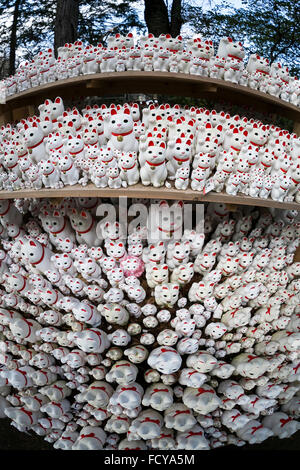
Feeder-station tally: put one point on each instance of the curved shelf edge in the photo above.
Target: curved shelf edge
(153, 82)
(146, 192)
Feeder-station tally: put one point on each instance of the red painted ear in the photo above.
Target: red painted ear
(163, 145)
(113, 112)
(151, 143)
(126, 111)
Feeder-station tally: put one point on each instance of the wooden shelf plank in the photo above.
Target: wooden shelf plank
(180, 84)
(147, 192)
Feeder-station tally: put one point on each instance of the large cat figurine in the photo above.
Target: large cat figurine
(122, 137)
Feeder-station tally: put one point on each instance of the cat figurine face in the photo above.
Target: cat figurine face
(165, 222)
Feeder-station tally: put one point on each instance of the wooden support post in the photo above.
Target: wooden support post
(297, 255)
(231, 207)
(7, 116)
(23, 112)
(296, 128)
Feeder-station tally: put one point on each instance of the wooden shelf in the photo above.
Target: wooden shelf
(165, 83)
(176, 84)
(147, 192)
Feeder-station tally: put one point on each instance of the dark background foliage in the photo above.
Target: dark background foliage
(268, 27)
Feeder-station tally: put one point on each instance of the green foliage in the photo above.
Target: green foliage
(268, 27)
(35, 26)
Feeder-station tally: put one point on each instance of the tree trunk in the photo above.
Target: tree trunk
(176, 18)
(13, 38)
(66, 22)
(156, 17)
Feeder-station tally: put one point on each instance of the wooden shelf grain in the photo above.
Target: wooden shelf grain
(147, 192)
(168, 83)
